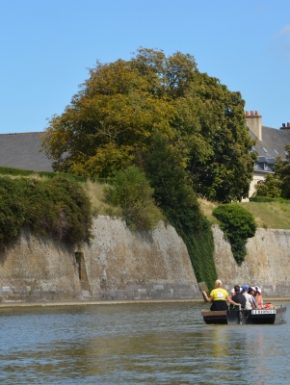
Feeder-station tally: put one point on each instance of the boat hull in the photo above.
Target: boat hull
(263, 316)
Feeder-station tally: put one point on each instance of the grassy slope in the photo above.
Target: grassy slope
(274, 215)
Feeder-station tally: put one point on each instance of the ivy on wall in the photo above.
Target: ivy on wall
(238, 225)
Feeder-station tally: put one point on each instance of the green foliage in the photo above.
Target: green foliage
(271, 187)
(122, 105)
(175, 196)
(11, 212)
(220, 160)
(282, 172)
(57, 208)
(277, 185)
(182, 127)
(238, 225)
(131, 190)
(200, 246)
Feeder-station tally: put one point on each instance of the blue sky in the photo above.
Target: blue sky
(48, 47)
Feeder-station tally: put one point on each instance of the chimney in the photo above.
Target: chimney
(254, 123)
(285, 126)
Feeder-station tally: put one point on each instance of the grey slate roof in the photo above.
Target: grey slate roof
(272, 145)
(24, 151)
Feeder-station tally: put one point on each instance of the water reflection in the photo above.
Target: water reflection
(138, 344)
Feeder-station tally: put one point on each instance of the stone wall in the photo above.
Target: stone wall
(35, 269)
(266, 264)
(117, 264)
(121, 265)
(125, 265)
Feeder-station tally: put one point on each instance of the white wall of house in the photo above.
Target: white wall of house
(253, 185)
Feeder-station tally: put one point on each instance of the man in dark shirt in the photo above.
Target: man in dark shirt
(238, 297)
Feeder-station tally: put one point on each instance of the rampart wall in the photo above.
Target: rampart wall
(121, 265)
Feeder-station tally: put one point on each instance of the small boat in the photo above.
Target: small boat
(274, 315)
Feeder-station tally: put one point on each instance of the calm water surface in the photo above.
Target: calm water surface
(138, 344)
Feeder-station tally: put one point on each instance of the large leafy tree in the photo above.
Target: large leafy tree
(110, 123)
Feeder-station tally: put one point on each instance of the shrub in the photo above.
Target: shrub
(57, 208)
(11, 212)
(238, 225)
(131, 191)
(271, 187)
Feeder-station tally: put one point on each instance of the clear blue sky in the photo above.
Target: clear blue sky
(48, 47)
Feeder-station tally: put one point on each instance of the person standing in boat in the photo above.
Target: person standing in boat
(219, 297)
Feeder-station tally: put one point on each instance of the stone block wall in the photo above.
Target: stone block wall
(267, 263)
(118, 264)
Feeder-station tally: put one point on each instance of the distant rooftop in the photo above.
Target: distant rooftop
(273, 142)
(269, 142)
(24, 151)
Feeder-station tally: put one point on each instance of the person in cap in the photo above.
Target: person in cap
(219, 297)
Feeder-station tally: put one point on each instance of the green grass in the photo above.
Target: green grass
(272, 215)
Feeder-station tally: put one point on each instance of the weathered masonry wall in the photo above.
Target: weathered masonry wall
(122, 264)
(119, 264)
(267, 263)
(36, 269)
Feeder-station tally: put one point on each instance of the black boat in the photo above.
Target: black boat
(274, 315)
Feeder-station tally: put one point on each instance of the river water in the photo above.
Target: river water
(152, 344)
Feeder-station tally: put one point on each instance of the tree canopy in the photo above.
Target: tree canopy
(111, 122)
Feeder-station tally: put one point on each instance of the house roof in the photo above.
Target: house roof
(273, 142)
(269, 148)
(24, 151)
